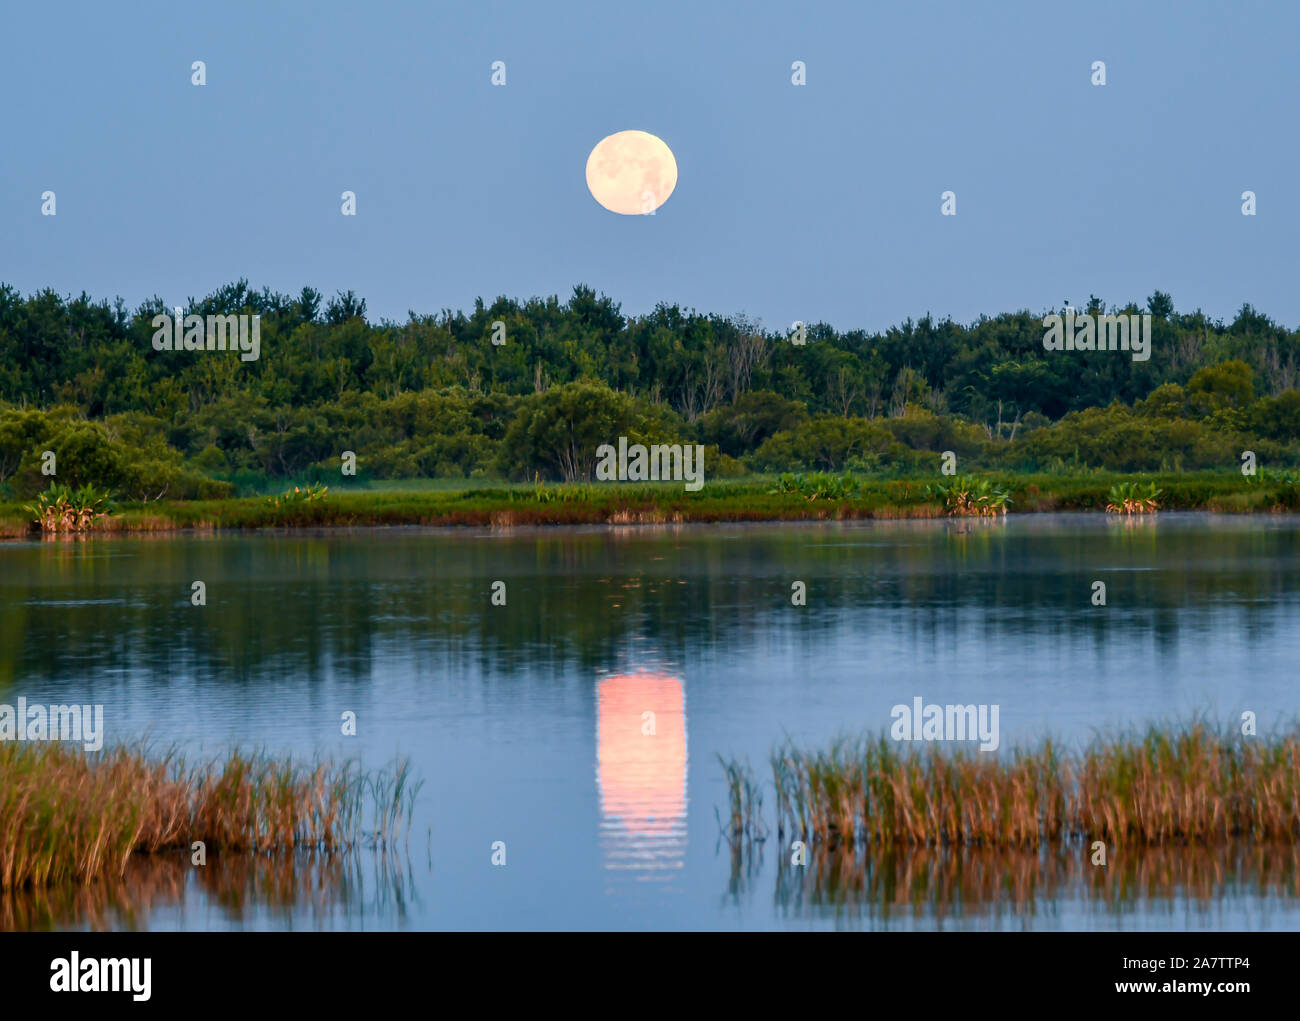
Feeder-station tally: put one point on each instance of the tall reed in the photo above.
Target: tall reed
(1188, 784)
(744, 823)
(66, 816)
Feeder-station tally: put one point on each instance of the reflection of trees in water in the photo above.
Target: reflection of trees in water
(306, 888)
(319, 606)
(940, 882)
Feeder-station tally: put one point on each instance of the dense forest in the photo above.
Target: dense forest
(451, 394)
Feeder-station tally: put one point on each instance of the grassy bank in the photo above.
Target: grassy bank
(751, 499)
(1187, 784)
(70, 817)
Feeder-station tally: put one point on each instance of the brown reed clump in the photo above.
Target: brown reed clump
(1166, 786)
(67, 816)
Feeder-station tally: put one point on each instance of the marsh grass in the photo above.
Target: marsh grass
(71, 817)
(744, 823)
(1183, 785)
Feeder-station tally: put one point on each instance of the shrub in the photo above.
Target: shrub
(817, 486)
(64, 509)
(968, 496)
(1132, 498)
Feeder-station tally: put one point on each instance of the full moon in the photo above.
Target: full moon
(631, 172)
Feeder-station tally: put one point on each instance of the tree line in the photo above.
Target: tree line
(435, 396)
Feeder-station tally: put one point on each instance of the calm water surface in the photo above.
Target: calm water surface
(525, 721)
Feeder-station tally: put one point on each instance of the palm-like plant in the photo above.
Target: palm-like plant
(1132, 498)
(817, 485)
(64, 509)
(313, 493)
(969, 496)
(1272, 475)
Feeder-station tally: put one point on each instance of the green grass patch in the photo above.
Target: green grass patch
(754, 498)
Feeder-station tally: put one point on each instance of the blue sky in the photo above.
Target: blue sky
(819, 202)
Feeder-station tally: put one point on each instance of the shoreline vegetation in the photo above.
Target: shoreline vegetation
(544, 389)
(67, 816)
(811, 497)
(1170, 785)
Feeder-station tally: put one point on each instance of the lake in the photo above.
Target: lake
(529, 722)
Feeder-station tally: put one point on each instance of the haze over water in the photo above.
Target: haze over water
(527, 721)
